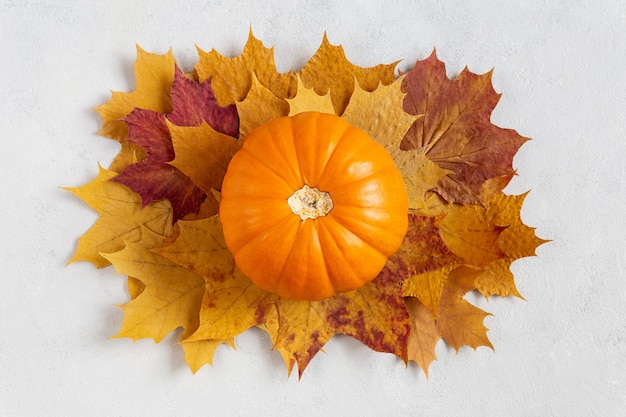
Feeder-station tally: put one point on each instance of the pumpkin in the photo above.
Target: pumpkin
(312, 206)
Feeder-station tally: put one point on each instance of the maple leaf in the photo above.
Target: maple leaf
(200, 352)
(229, 306)
(468, 232)
(329, 71)
(424, 334)
(381, 115)
(231, 78)
(374, 314)
(153, 178)
(122, 219)
(438, 310)
(154, 75)
(459, 322)
(306, 99)
(259, 107)
(202, 154)
(171, 297)
(194, 103)
(422, 250)
(456, 132)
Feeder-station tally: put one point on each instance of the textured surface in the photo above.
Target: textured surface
(560, 68)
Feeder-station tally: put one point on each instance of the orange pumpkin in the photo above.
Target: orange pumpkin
(312, 206)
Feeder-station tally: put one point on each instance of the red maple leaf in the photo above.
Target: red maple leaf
(153, 178)
(456, 132)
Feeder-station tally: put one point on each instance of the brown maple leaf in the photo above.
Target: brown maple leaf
(455, 131)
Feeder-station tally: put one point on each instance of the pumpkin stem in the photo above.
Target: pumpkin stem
(310, 203)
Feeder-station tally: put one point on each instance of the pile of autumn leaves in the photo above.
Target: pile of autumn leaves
(158, 203)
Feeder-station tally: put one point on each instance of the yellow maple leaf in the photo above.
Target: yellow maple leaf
(517, 240)
(428, 287)
(121, 219)
(306, 99)
(497, 279)
(424, 334)
(202, 154)
(171, 297)
(259, 107)
(329, 71)
(164, 296)
(154, 75)
(231, 78)
(229, 306)
(200, 352)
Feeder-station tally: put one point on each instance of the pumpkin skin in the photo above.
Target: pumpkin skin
(312, 259)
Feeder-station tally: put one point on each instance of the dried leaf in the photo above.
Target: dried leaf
(422, 250)
(306, 99)
(329, 71)
(424, 334)
(153, 178)
(517, 240)
(200, 352)
(259, 107)
(231, 78)
(381, 115)
(232, 304)
(428, 287)
(497, 279)
(171, 297)
(122, 219)
(459, 322)
(194, 103)
(202, 154)
(456, 132)
(154, 75)
(468, 233)
(374, 314)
